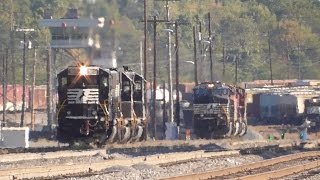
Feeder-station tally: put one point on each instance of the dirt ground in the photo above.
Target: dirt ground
(291, 132)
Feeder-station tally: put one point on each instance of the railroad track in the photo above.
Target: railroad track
(267, 169)
(61, 170)
(130, 149)
(165, 146)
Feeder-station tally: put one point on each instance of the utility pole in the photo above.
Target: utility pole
(23, 80)
(270, 59)
(170, 68)
(154, 75)
(141, 58)
(164, 110)
(33, 86)
(299, 63)
(210, 47)
(23, 73)
(177, 78)
(236, 70)
(49, 88)
(154, 80)
(224, 60)
(145, 62)
(171, 118)
(201, 51)
(4, 85)
(195, 56)
(13, 61)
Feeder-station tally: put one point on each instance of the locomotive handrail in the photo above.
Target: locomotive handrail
(60, 107)
(104, 109)
(105, 104)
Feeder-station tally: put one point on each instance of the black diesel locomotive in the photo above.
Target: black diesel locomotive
(219, 110)
(100, 105)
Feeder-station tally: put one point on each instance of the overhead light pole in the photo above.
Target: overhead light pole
(170, 75)
(23, 73)
(210, 47)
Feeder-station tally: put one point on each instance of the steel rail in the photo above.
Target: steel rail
(247, 167)
(283, 172)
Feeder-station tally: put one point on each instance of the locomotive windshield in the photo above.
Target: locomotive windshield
(203, 95)
(83, 81)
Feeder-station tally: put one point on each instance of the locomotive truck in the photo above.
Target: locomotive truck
(100, 105)
(218, 110)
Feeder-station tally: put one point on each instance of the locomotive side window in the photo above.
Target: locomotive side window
(126, 92)
(137, 94)
(104, 81)
(64, 82)
(138, 86)
(104, 87)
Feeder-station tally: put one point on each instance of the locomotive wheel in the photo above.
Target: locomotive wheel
(112, 134)
(243, 129)
(143, 134)
(236, 128)
(228, 134)
(136, 133)
(123, 134)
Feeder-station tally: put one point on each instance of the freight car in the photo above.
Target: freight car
(218, 110)
(282, 108)
(100, 105)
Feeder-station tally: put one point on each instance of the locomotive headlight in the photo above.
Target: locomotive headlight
(68, 112)
(94, 113)
(83, 70)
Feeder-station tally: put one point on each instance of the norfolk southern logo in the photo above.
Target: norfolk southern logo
(80, 96)
(210, 108)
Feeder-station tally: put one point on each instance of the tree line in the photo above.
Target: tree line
(246, 33)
